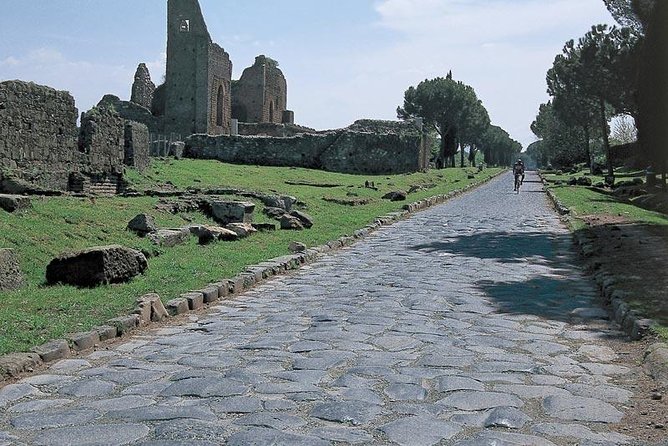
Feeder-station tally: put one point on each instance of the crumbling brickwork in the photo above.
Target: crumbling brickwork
(199, 75)
(38, 130)
(136, 145)
(130, 111)
(261, 95)
(366, 147)
(143, 87)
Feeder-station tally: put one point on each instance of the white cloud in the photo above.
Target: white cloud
(86, 81)
(502, 48)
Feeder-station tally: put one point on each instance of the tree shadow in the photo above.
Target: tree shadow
(550, 293)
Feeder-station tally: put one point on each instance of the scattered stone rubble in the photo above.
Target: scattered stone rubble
(11, 277)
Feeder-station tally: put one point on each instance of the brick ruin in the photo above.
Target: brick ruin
(42, 149)
(366, 147)
(261, 94)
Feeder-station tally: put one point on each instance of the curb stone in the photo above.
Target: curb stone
(630, 321)
(15, 364)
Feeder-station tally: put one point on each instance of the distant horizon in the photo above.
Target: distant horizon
(344, 60)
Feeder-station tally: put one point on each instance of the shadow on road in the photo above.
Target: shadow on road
(550, 293)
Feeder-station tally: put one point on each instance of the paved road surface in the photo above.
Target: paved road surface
(469, 324)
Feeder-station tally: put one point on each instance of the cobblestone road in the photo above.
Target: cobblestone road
(469, 324)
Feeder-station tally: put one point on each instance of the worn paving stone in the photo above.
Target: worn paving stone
(14, 392)
(161, 413)
(579, 433)
(343, 435)
(576, 408)
(237, 404)
(205, 388)
(88, 388)
(354, 412)
(506, 417)
(405, 392)
(453, 383)
(37, 405)
(490, 438)
(190, 431)
(420, 431)
(95, 435)
(40, 420)
(273, 437)
(472, 400)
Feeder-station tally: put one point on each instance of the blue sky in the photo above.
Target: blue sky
(343, 59)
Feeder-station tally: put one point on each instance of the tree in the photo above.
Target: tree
(595, 79)
(444, 105)
(475, 123)
(561, 144)
(498, 147)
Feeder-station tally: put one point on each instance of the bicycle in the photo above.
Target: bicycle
(518, 182)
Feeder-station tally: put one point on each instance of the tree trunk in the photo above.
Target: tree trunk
(606, 139)
(590, 158)
(461, 156)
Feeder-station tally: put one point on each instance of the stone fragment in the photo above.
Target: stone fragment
(54, 350)
(226, 212)
(305, 219)
(297, 247)
(169, 237)
(11, 277)
(264, 227)
(150, 308)
(397, 195)
(96, 266)
(207, 234)
(242, 230)
(453, 383)
(289, 222)
(471, 400)
(142, 224)
(12, 203)
(274, 212)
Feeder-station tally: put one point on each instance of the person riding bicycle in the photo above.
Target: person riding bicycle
(518, 171)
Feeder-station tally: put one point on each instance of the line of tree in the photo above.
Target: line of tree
(452, 111)
(609, 72)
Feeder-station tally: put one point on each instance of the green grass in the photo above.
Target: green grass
(586, 203)
(38, 313)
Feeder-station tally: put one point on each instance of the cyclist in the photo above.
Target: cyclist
(518, 173)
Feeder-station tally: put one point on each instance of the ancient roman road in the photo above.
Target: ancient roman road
(468, 324)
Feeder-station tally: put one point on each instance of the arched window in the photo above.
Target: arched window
(220, 101)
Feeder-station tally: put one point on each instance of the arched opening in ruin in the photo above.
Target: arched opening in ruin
(220, 100)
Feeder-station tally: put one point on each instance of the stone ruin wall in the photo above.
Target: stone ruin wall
(271, 129)
(42, 148)
(38, 134)
(260, 95)
(142, 87)
(199, 75)
(392, 148)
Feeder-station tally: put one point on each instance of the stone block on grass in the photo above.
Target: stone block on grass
(142, 225)
(12, 203)
(96, 266)
(169, 237)
(225, 212)
(150, 309)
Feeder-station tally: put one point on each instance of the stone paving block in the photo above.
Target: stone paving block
(195, 300)
(106, 332)
(84, 340)
(576, 408)
(267, 437)
(420, 431)
(354, 412)
(93, 435)
(14, 392)
(124, 324)
(177, 306)
(53, 350)
(14, 364)
(210, 294)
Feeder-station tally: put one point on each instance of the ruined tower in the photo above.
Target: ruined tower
(199, 73)
(142, 88)
(261, 94)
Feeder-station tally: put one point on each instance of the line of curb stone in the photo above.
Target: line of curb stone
(631, 321)
(151, 309)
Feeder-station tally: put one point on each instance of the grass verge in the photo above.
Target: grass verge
(38, 313)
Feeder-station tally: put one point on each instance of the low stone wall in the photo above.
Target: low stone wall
(366, 147)
(271, 129)
(136, 145)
